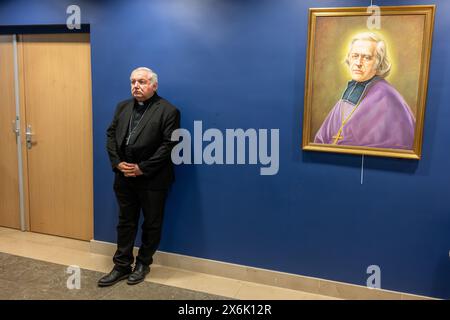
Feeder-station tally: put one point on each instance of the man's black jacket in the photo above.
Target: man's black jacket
(150, 146)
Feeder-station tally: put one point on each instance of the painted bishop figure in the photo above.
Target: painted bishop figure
(371, 112)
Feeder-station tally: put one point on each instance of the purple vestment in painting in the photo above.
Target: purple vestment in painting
(382, 119)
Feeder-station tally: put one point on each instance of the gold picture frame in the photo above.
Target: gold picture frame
(352, 104)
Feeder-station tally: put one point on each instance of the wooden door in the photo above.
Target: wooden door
(56, 76)
(9, 181)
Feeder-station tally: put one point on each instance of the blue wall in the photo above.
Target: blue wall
(241, 64)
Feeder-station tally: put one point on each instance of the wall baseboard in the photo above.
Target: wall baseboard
(262, 276)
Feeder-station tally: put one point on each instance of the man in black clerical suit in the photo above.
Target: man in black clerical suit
(139, 147)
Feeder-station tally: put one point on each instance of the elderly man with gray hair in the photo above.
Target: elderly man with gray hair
(139, 146)
(371, 112)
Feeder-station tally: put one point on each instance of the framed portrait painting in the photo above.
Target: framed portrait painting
(366, 80)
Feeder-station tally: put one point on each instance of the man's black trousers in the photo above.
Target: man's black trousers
(132, 197)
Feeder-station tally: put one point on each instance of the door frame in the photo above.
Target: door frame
(19, 91)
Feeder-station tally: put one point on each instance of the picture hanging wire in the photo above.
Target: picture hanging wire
(362, 169)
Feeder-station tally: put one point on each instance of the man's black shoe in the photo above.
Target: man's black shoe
(139, 273)
(112, 278)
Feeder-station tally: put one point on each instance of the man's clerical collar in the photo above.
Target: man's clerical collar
(146, 102)
(355, 90)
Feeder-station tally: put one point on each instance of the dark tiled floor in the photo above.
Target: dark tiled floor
(24, 278)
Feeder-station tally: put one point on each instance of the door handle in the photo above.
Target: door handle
(15, 128)
(29, 136)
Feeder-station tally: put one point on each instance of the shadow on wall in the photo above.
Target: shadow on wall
(440, 283)
(184, 214)
(406, 166)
